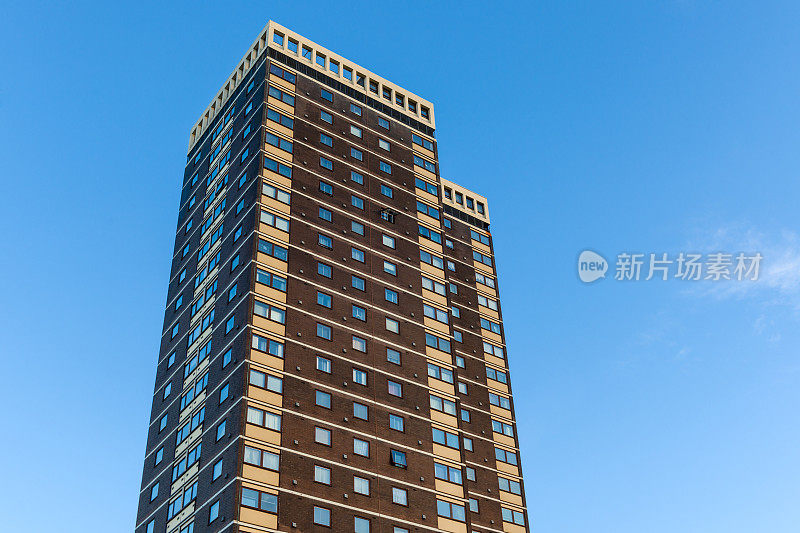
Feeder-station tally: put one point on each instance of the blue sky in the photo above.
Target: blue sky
(664, 126)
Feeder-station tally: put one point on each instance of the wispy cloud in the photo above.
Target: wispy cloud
(778, 282)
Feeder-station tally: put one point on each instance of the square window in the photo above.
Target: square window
(360, 411)
(395, 389)
(396, 422)
(324, 270)
(356, 177)
(292, 46)
(322, 516)
(399, 496)
(322, 436)
(361, 485)
(398, 458)
(324, 365)
(325, 241)
(392, 325)
(356, 154)
(355, 109)
(357, 227)
(357, 202)
(327, 117)
(357, 254)
(324, 214)
(388, 241)
(321, 61)
(323, 399)
(324, 331)
(387, 191)
(359, 376)
(355, 130)
(347, 72)
(327, 95)
(390, 268)
(361, 525)
(359, 344)
(359, 312)
(324, 300)
(393, 356)
(384, 144)
(383, 123)
(307, 52)
(277, 38)
(358, 283)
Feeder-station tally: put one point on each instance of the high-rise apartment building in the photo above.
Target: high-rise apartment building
(332, 356)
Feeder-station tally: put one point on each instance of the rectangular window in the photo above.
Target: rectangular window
(357, 202)
(357, 227)
(361, 447)
(322, 474)
(390, 296)
(324, 214)
(356, 177)
(327, 95)
(327, 117)
(356, 154)
(357, 255)
(355, 109)
(278, 252)
(326, 139)
(361, 485)
(326, 163)
(392, 325)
